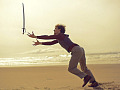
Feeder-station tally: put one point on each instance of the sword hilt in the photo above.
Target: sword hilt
(24, 30)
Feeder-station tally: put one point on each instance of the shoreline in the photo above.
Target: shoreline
(20, 66)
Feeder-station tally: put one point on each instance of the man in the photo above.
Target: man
(77, 52)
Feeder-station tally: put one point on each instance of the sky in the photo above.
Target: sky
(93, 24)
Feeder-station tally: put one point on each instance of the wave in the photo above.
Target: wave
(104, 53)
(40, 51)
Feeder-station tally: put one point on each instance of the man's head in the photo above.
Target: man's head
(59, 28)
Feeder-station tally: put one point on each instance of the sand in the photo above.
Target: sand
(57, 78)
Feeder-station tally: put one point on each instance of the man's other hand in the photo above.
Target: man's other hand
(36, 43)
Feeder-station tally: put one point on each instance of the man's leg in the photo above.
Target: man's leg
(84, 67)
(76, 55)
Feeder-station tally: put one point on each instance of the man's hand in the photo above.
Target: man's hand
(31, 35)
(37, 43)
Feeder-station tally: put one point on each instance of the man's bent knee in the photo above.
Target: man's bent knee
(85, 69)
(71, 70)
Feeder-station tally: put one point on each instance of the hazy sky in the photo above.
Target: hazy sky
(93, 24)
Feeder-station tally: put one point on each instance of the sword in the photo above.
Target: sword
(24, 30)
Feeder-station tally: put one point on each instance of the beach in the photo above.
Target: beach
(57, 78)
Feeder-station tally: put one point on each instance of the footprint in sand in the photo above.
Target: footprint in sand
(108, 86)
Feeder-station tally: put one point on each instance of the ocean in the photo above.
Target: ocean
(57, 58)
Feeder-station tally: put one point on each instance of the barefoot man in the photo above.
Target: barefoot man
(77, 52)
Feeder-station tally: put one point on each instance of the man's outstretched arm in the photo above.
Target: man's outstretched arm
(44, 36)
(48, 37)
(50, 43)
(45, 43)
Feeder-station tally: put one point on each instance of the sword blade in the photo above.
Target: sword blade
(23, 19)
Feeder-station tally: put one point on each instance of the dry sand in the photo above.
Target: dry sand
(57, 78)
